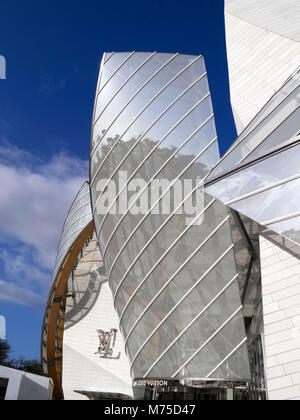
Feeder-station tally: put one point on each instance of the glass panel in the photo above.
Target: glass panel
(191, 239)
(264, 173)
(130, 89)
(108, 55)
(81, 208)
(85, 282)
(198, 334)
(75, 209)
(289, 228)
(182, 282)
(282, 136)
(76, 223)
(169, 201)
(171, 172)
(130, 221)
(217, 349)
(236, 367)
(153, 110)
(166, 237)
(187, 311)
(69, 237)
(271, 204)
(141, 148)
(270, 106)
(111, 65)
(269, 123)
(118, 79)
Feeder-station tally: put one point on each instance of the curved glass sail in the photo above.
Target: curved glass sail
(172, 272)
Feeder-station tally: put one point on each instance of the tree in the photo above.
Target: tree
(30, 366)
(5, 349)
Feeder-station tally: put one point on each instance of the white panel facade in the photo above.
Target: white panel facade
(83, 369)
(281, 306)
(26, 386)
(263, 49)
(278, 16)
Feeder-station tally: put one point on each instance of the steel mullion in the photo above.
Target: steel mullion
(143, 109)
(263, 189)
(227, 357)
(208, 341)
(160, 198)
(168, 281)
(151, 240)
(190, 323)
(125, 83)
(145, 160)
(130, 100)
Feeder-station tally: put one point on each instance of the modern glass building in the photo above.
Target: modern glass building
(195, 259)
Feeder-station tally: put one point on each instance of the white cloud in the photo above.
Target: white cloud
(18, 263)
(35, 196)
(51, 85)
(12, 293)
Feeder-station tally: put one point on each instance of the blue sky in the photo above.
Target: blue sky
(53, 50)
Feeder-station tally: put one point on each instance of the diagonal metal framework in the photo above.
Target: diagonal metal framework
(139, 308)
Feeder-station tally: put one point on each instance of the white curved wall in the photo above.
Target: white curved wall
(83, 370)
(281, 305)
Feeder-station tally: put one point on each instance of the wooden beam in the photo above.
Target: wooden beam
(60, 289)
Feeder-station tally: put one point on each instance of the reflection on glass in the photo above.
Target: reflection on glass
(125, 126)
(277, 122)
(289, 228)
(271, 204)
(264, 173)
(163, 128)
